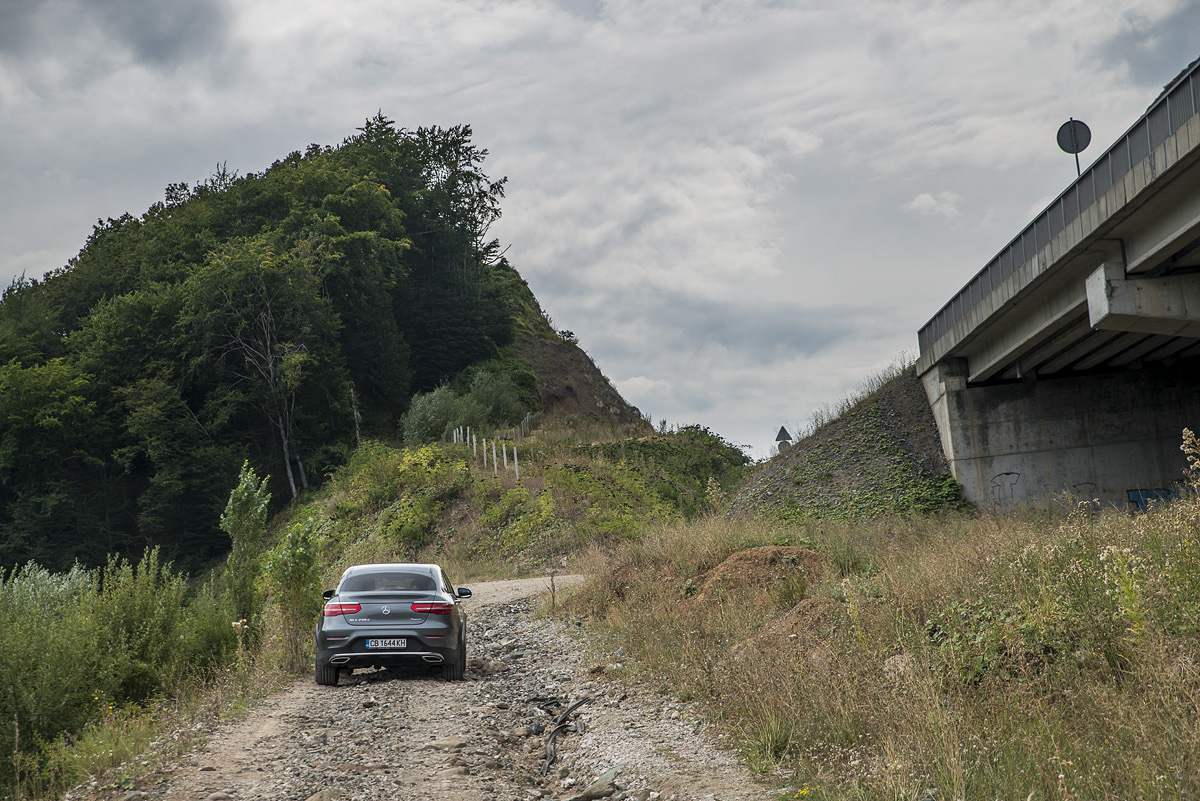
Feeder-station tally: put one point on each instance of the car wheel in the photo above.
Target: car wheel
(455, 669)
(327, 674)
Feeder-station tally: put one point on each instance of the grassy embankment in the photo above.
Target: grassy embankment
(1048, 654)
(580, 484)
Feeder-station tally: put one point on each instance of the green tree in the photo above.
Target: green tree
(498, 397)
(262, 316)
(29, 326)
(263, 323)
(429, 416)
(56, 499)
(245, 521)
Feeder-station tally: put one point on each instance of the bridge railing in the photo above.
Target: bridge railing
(1178, 103)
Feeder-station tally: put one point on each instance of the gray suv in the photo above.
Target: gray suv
(386, 615)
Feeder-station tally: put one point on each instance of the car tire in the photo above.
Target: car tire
(327, 674)
(456, 669)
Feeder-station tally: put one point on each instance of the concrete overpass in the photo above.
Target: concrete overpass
(1071, 362)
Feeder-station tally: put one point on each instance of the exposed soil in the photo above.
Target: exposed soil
(571, 385)
(761, 567)
(410, 735)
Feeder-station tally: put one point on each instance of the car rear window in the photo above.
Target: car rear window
(373, 582)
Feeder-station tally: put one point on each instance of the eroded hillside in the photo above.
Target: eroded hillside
(570, 384)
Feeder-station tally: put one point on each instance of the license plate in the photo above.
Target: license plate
(388, 643)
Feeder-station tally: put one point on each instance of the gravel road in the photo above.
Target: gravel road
(409, 735)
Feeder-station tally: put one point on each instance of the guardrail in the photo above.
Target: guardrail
(1178, 103)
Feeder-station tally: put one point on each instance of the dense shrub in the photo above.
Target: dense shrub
(81, 645)
(429, 415)
(488, 400)
(295, 576)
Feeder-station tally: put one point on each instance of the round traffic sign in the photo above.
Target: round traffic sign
(1074, 136)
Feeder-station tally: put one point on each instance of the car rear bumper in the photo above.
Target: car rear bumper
(355, 655)
(372, 658)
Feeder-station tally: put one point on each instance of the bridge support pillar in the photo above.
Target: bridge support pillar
(944, 387)
(1113, 437)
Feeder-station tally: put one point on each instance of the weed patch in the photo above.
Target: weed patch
(1048, 654)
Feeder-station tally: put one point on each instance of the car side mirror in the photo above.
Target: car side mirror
(463, 592)
(328, 594)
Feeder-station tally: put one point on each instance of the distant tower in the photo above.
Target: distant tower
(783, 440)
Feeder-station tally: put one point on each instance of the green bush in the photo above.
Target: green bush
(86, 645)
(48, 659)
(498, 397)
(295, 576)
(412, 519)
(487, 401)
(679, 466)
(510, 505)
(137, 611)
(429, 416)
(206, 639)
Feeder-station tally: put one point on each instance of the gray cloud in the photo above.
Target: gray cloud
(20, 18)
(745, 333)
(587, 9)
(155, 32)
(1151, 48)
(712, 196)
(162, 34)
(74, 36)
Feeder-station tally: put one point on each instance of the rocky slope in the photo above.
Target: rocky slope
(882, 456)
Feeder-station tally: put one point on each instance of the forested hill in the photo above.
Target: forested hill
(277, 317)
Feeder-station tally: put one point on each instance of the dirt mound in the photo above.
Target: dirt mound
(805, 632)
(762, 567)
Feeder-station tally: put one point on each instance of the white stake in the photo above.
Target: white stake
(495, 467)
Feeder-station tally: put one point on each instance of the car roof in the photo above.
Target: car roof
(385, 567)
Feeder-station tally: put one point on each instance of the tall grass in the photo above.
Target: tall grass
(1050, 654)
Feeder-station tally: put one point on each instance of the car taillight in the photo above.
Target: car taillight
(435, 608)
(332, 609)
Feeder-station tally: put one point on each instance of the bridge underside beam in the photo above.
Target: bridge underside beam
(1026, 330)
(1168, 306)
(1091, 318)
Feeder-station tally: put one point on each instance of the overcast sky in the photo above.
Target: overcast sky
(742, 208)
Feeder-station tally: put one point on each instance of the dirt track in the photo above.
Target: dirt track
(410, 735)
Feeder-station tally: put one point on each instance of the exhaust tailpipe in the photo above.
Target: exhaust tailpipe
(433, 658)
